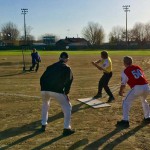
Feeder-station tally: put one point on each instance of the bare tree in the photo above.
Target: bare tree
(10, 31)
(1, 35)
(94, 33)
(138, 32)
(29, 37)
(117, 34)
(147, 31)
(141, 32)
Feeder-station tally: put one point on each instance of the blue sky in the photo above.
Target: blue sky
(68, 17)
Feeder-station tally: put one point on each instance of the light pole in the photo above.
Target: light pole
(24, 12)
(126, 9)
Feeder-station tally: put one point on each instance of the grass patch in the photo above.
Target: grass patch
(113, 53)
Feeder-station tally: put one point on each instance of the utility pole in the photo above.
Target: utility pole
(24, 12)
(126, 9)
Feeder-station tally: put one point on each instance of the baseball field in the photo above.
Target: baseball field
(20, 105)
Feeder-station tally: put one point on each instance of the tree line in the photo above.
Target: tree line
(93, 32)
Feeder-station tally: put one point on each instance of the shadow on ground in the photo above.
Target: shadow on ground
(12, 132)
(110, 146)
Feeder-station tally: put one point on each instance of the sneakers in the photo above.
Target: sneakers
(67, 132)
(43, 128)
(97, 96)
(110, 99)
(123, 123)
(146, 120)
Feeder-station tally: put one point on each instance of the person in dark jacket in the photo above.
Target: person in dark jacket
(56, 83)
(35, 60)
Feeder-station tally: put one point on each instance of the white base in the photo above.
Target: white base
(95, 103)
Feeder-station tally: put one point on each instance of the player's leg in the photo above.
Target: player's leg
(64, 101)
(100, 87)
(32, 67)
(145, 105)
(146, 108)
(45, 108)
(126, 105)
(37, 66)
(106, 87)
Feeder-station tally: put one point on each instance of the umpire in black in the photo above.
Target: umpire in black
(55, 83)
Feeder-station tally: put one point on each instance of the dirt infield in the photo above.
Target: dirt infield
(20, 108)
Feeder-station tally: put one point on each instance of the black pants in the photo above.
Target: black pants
(103, 83)
(33, 65)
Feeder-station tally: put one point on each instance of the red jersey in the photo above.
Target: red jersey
(135, 76)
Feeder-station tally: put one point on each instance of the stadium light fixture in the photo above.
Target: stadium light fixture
(126, 9)
(24, 12)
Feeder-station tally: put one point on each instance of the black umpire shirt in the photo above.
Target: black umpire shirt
(58, 78)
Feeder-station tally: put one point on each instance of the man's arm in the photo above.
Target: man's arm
(121, 91)
(68, 81)
(97, 66)
(124, 80)
(98, 61)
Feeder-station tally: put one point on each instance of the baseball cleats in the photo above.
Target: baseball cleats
(43, 128)
(97, 96)
(123, 124)
(111, 99)
(67, 132)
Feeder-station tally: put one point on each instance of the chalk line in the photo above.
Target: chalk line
(20, 95)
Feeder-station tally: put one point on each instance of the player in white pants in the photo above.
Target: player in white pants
(56, 83)
(141, 91)
(133, 76)
(64, 102)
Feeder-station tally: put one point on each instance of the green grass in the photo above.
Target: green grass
(92, 52)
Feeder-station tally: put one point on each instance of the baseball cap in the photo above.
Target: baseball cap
(64, 55)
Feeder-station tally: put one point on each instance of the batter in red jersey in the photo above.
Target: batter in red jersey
(133, 76)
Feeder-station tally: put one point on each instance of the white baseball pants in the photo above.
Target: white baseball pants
(141, 91)
(64, 102)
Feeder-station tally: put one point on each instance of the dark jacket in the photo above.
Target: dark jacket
(35, 57)
(57, 78)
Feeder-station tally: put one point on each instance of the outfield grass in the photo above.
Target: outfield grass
(92, 52)
(20, 106)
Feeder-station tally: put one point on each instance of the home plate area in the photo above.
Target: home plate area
(95, 103)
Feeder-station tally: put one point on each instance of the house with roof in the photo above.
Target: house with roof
(72, 43)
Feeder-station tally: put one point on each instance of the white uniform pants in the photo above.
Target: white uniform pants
(141, 91)
(63, 100)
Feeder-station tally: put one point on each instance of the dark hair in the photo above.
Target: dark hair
(104, 54)
(128, 60)
(64, 55)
